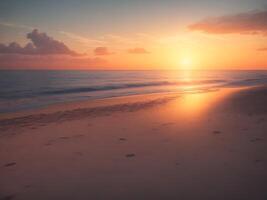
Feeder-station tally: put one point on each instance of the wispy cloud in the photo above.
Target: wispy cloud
(14, 25)
(81, 39)
(253, 22)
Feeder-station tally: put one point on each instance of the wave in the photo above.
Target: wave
(246, 82)
(128, 86)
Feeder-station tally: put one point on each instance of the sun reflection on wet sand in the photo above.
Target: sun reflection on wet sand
(195, 105)
(197, 99)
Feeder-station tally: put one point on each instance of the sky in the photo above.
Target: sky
(133, 34)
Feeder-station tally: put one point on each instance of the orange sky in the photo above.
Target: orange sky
(229, 40)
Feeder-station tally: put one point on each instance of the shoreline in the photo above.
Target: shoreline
(97, 107)
(65, 106)
(109, 100)
(178, 146)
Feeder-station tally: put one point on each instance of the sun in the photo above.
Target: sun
(186, 63)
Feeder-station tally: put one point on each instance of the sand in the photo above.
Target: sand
(206, 145)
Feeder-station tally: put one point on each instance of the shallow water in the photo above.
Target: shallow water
(21, 90)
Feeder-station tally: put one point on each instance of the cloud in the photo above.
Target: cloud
(253, 22)
(102, 51)
(47, 45)
(262, 49)
(138, 51)
(41, 44)
(13, 25)
(15, 48)
(44, 52)
(81, 39)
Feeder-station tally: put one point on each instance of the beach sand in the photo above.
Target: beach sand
(206, 145)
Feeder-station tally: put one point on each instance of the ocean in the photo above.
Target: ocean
(29, 89)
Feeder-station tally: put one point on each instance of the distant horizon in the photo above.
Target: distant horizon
(107, 70)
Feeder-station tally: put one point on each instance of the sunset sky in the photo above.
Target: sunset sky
(133, 34)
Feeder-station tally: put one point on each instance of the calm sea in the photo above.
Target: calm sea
(21, 90)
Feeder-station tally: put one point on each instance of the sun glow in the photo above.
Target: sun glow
(186, 63)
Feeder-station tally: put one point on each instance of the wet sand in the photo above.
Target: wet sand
(206, 145)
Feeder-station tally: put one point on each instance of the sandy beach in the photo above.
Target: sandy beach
(203, 145)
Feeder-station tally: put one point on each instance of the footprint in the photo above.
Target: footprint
(155, 129)
(256, 140)
(216, 132)
(78, 153)
(10, 164)
(167, 124)
(9, 197)
(259, 121)
(64, 137)
(33, 127)
(78, 136)
(258, 161)
(130, 155)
